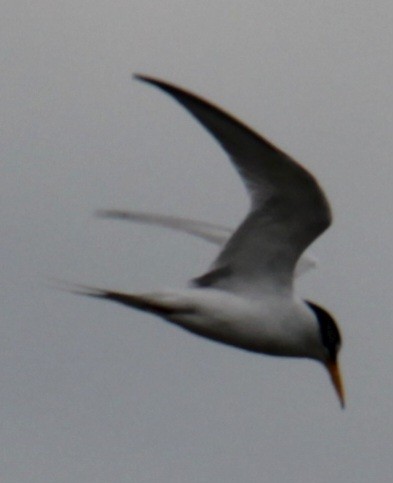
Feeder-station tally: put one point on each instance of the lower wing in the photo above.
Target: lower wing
(207, 231)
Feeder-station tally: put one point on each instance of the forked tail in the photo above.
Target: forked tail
(163, 305)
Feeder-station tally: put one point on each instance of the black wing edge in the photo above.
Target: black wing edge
(185, 98)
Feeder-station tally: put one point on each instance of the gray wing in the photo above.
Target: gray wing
(207, 231)
(210, 232)
(288, 208)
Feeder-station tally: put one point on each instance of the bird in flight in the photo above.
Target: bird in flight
(246, 298)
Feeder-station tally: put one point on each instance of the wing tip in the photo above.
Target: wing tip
(141, 77)
(112, 213)
(174, 90)
(149, 79)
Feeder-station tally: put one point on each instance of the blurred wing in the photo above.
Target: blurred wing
(305, 263)
(288, 208)
(210, 232)
(207, 231)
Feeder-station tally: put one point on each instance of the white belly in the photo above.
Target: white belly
(272, 325)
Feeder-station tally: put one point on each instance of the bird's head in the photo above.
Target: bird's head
(331, 344)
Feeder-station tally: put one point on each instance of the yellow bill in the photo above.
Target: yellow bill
(335, 375)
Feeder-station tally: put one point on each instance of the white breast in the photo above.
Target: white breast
(273, 324)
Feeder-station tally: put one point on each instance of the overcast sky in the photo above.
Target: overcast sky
(93, 392)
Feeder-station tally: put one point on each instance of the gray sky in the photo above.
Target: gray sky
(93, 392)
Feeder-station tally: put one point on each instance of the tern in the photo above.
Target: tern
(246, 298)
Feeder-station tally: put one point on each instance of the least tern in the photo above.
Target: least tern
(246, 299)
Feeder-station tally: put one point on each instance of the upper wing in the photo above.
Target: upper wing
(288, 208)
